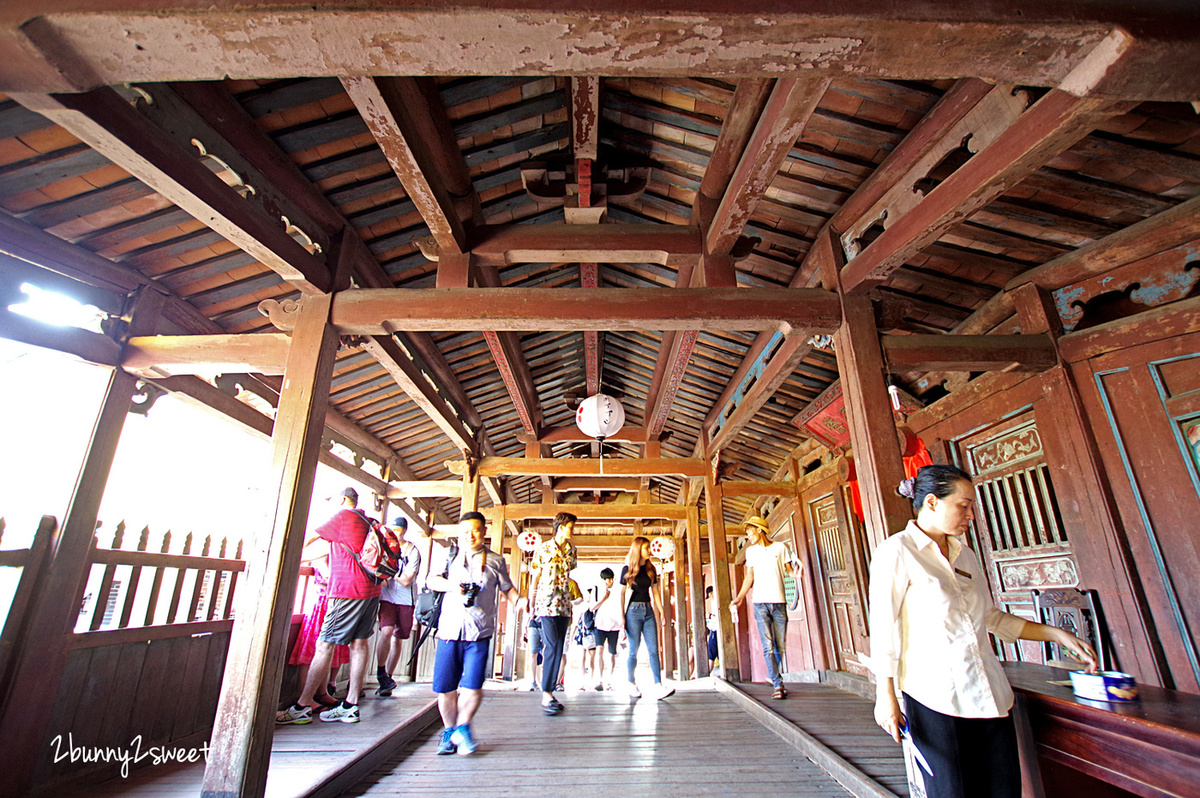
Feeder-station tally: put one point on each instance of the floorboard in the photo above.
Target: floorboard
(695, 743)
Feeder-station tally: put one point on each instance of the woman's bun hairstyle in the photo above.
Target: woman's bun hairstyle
(939, 480)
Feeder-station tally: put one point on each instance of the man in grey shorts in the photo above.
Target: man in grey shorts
(349, 619)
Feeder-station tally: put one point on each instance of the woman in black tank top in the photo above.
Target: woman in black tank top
(639, 597)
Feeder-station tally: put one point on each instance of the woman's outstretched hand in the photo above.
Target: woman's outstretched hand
(1078, 649)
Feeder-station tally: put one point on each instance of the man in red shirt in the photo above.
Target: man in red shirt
(349, 619)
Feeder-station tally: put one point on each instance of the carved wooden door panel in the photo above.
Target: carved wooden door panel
(843, 597)
(1018, 534)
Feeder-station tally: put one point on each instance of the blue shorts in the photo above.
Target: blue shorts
(460, 663)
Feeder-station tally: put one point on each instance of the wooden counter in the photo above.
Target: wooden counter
(1149, 747)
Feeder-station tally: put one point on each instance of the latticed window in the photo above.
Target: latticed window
(1021, 510)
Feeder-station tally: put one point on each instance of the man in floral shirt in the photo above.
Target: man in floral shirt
(552, 564)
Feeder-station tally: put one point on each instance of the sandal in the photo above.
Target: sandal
(779, 693)
(326, 700)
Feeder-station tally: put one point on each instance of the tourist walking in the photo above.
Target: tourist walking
(552, 564)
(766, 564)
(465, 630)
(639, 598)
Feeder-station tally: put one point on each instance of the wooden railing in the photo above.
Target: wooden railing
(152, 633)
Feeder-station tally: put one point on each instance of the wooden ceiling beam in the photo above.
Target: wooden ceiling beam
(1047, 128)
(664, 244)
(774, 373)
(510, 360)
(555, 466)
(419, 389)
(428, 489)
(376, 311)
(172, 355)
(745, 110)
(791, 103)
(572, 434)
(391, 107)
(1015, 353)
(743, 487)
(60, 46)
(108, 123)
(672, 512)
(88, 346)
(622, 484)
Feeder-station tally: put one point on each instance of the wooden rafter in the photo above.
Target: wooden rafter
(519, 512)
(168, 355)
(1048, 127)
(390, 107)
(774, 373)
(110, 125)
(572, 434)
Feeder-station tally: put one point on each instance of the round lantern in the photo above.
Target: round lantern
(662, 547)
(528, 540)
(600, 416)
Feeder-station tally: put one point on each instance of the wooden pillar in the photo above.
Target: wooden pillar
(41, 658)
(681, 613)
(508, 665)
(241, 741)
(696, 583)
(872, 426)
(470, 490)
(719, 554)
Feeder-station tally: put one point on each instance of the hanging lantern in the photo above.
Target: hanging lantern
(528, 540)
(600, 416)
(662, 547)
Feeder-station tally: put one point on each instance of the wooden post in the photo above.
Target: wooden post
(696, 582)
(470, 491)
(872, 426)
(39, 663)
(241, 741)
(681, 613)
(718, 552)
(508, 665)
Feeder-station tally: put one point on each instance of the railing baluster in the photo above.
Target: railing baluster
(156, 585)
(135, 575)
(180, 574)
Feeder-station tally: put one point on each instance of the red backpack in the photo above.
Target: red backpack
(380, 555)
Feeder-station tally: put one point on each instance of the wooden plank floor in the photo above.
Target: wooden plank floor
(300, 755)
(697, 743)
(843, 722)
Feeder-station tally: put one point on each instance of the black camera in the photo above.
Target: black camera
(471, 591)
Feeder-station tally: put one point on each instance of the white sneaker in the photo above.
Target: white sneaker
(633, 691)
(661, 691)
(295, 715)
(346, 713)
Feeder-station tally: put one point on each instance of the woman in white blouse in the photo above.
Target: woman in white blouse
(930, 617)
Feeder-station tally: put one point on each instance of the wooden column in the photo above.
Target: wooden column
(681, 612)
(40, 660)
(718, 552)
(508, 664)
(696, 584)
(241, 741)
(470, 491)
(872, 426)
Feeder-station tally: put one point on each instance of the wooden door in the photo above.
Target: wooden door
(1144, 405)
(841, 583)
(1018, 533)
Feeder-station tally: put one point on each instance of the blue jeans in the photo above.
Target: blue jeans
(640, 624)
(772, 631)
(554, 635)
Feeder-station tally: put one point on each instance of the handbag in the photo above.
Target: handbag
(428, 606)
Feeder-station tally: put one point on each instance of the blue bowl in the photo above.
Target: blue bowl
(1104, 686)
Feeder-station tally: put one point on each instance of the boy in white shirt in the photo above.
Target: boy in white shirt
(766, 563)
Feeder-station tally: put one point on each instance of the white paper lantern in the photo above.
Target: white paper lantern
(528, 540)
(600, 416)
(662, 547)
